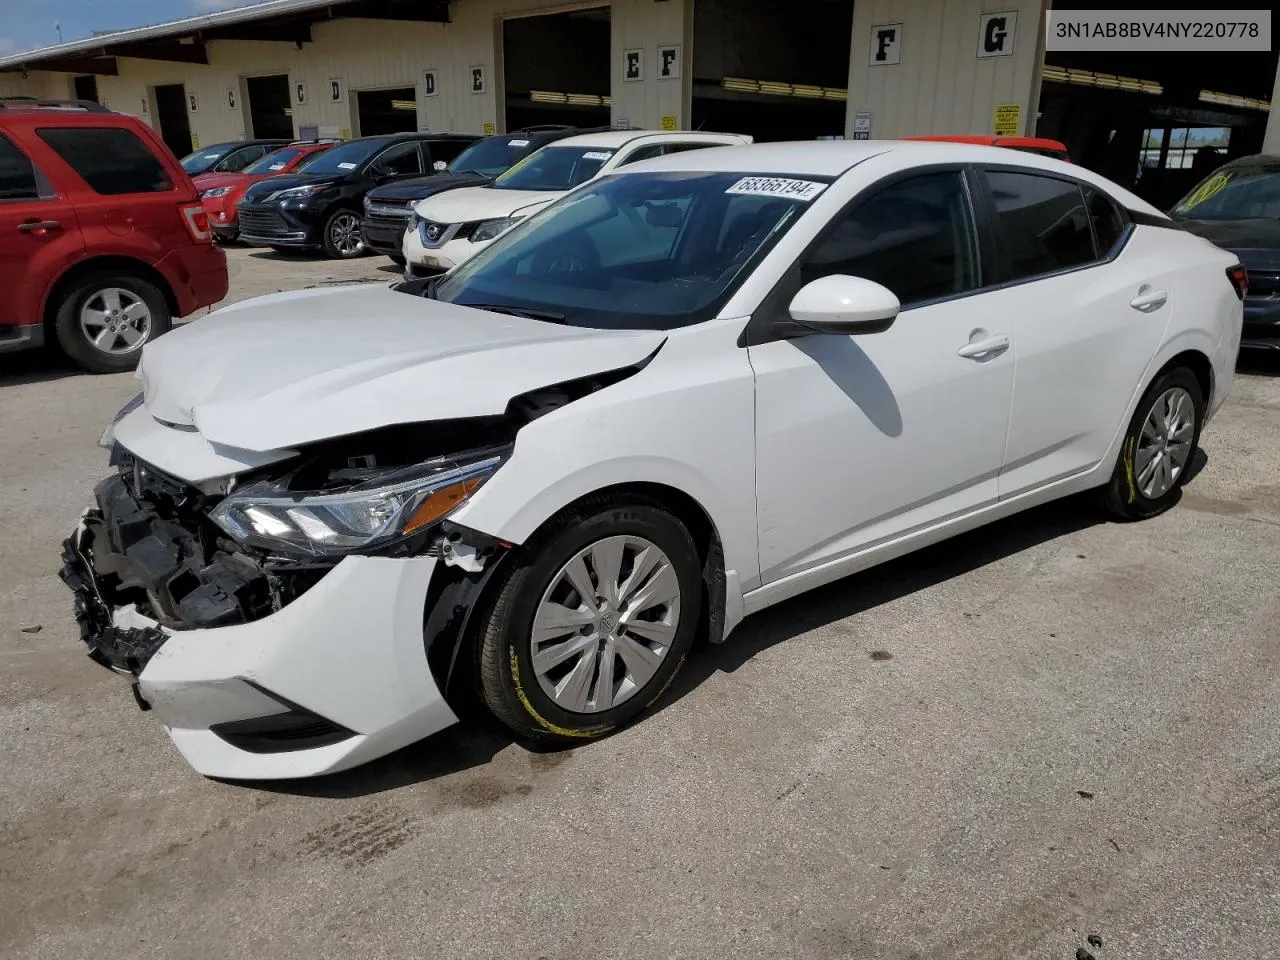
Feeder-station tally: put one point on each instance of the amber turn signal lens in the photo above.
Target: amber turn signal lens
(439, 503)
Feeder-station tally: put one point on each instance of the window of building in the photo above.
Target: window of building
(111, 160)
(1182, 148)
(915, 237)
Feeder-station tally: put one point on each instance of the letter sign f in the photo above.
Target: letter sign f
(883, 39)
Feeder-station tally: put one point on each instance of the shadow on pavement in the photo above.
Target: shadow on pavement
(36, 366)
(1265, 363)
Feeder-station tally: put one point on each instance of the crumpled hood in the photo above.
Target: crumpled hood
(481, 203)
(308, 365)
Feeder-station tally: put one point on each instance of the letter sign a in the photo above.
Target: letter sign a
(886, 45)
(995, 34)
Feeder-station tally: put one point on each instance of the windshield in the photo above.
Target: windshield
(554, 168)
(343, 158)
(204, 159)
(641, 251)
(273, 162)
(490, 156)
(1246, 192)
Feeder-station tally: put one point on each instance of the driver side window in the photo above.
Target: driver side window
(916, 237)
(403, 159)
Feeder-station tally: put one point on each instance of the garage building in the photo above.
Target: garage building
(801, 70)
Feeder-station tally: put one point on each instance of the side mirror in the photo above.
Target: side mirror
(843, 304)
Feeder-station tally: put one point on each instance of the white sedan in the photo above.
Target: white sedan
(337, 515)
(451, 227)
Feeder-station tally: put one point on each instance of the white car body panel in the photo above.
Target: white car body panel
(812, 458)
(361, 357)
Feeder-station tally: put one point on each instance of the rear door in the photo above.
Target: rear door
(39, 234)
(1086, 307)
(127, 200)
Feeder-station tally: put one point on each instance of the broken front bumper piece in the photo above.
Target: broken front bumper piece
(335, 678)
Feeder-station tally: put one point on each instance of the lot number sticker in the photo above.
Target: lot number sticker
(517, 143)
(804, 190)
(596, 156)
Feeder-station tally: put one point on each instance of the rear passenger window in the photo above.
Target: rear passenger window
(111, 160)
(1043, 222)
(1108, 221)
(915, 237)
(17, 175)
(443, 151)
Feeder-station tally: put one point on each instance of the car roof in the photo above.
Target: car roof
(613, 139)
(833, 158)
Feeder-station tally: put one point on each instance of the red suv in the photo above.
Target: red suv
(103, 239)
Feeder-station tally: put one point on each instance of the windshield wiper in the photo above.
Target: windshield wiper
(517, 311)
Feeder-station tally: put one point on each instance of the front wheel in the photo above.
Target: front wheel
(342, 239)
(593, 622)
(105, 319)
(1156, 453)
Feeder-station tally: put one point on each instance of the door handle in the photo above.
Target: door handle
(31, 226)
(984, 349)
(1148, 299)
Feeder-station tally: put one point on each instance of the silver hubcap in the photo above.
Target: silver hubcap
(605, 624)
(1164, 446)
(345, 233)
(116, 321)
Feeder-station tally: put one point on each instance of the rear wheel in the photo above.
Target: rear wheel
(105, 319)
(592, 625)
(1156, 454)
(342, 239)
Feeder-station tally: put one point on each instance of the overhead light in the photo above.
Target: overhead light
(1232, 100)
(404, 105)
(576, 99)
(778, 88)
(1106, 81)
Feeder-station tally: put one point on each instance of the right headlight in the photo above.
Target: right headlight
(296, 193)
(492, 229)
(376, 512)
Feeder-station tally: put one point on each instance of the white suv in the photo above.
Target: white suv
(452, 227)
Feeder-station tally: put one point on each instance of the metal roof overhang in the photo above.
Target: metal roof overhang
(186, 41)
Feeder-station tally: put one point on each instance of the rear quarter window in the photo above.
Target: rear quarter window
(111, 160)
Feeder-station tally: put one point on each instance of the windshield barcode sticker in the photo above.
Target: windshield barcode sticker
(517, 143)
(596, 156)
(346, 166)
(804, 190)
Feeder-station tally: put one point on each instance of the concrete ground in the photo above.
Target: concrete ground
(1050, 729)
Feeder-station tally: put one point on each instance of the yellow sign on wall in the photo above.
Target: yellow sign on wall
(668, 123)
(489, 129)
(1007, 118)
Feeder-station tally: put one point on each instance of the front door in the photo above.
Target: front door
(862, 439)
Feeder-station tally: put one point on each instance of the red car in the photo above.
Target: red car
(1040, 145)
(103, 240)
(221, 193)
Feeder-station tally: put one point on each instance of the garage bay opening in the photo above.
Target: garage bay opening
(776, 71)
(380, 112)
(556, 69)
(175, 122)
(270, 109)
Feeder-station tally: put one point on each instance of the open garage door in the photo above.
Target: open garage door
(556, 69)
(270, 110)
(171, 113)
(381, 112)
(776, 71)
(1155, 122)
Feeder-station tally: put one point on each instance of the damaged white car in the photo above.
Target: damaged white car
(336, 516)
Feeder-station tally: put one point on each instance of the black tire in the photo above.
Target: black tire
(508, 685)
(329, 238)
(1123, 497)
(75, 341)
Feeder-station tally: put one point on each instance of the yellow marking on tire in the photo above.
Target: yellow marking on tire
(1128, 470)
(542, 721)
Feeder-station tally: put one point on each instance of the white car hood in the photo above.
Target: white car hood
(481, 203)
(293, 368)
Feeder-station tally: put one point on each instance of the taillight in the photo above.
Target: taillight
(197, 220)
(1239, 279)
